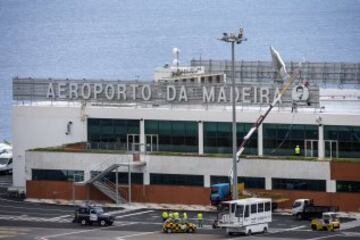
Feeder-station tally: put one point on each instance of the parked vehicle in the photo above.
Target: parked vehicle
(222, 192)
(328, 222)
(6, 162)
(305, 209)
(177, 226)
(248, 216)
(92, 214)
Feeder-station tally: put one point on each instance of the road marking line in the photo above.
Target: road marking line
(76, 232)
(37, 208)
(59, 218)
(133, 214)
(136, 235)
(327, 236)
(288, 229)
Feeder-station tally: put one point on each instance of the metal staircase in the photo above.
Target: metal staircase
(107, 187)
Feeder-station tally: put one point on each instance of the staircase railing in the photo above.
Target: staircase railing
(123, 194)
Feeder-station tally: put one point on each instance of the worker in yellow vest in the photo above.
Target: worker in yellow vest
(200, 219)
(297, 150)
(164, 215)
(185, 217)
(171, 215)
(176, 216)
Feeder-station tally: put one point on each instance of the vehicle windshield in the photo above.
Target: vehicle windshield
(296, 204)
(99, 210)
(4, 161)
(214, 190)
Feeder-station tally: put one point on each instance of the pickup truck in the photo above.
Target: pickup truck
(306, 209)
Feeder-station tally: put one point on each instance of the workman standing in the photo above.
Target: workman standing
(164, 215)
(171, 215)
(185, 217)
(176, 216)
(200, 219)
(297, 150)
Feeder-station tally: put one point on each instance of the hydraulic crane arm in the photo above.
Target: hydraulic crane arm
(278, 63)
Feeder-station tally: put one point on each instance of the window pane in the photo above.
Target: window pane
(299, 184)
(176, 179)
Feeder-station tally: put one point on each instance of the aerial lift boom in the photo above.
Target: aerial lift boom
(279, 65)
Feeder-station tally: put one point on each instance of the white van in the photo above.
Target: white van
(250, 215)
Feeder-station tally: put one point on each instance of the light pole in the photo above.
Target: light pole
(238, 39)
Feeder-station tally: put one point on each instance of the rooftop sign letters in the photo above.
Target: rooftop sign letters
(147, 92)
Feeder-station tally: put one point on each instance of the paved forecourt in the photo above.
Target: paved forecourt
(22, 220)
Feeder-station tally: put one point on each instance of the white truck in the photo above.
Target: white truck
(248, 216)
(306, 209)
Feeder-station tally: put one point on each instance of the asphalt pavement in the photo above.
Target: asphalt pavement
(24, 220)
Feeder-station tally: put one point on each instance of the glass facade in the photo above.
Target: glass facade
(299, 184)
(57, 175)
(111, 131)
(348, 186)
(174, 136)
(123, 177)
(177, 179)
(348, 138)
(250, 182)
(218, 137)
(281, 139)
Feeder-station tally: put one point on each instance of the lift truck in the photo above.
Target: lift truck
(230, 221)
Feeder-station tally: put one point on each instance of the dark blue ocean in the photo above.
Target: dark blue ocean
(127, 39)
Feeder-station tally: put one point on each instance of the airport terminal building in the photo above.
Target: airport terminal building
(169, 140)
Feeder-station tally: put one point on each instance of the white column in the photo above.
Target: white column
(260, 141)
(268, 185)
(142, 135)
(146, 178)
(330, 186)
(201, 137)
(206, 180)
(321, 144)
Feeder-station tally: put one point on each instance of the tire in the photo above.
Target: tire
(313, 227)
(249, 233)
(230, 233)
(110, 223)
(265, 230)
(102, 223)
(83, 222)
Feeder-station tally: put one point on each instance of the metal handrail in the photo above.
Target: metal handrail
(110, 184)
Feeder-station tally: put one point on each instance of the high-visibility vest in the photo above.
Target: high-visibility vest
(176, 215)
(185, 216)
(171, 215)
(297, 150)
(200, 216)
(164, 215)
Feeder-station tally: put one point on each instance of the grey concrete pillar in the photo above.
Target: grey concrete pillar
(201, 137)
(321, 144)
(268, 185)
(206, 180)
(146, 178)
(260, 141)
(142, 135)
(330, 186)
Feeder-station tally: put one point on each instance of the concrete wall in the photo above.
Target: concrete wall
(180, 194)
(195, 165)
(44, 126)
